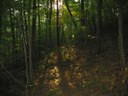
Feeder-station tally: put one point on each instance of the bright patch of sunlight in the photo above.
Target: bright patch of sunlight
(54, 72)
(73, 36)
(76, 0)
(71, 85)
(54, 83)
(16, 12)
(60, 3)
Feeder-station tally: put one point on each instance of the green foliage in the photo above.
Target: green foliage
(52, 93)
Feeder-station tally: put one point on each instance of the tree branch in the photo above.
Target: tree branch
(70, 13)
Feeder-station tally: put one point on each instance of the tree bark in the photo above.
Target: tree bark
(30, 44)
(25, 23)
(13, 32)
(57, 26)
(93, 19)
(99, 25)
(47, 15)
(24, 42)
(50, 18)
(0, 23)
(34, 35)
(39, 30)
(82, 13)
(120, 38)
(121, 48)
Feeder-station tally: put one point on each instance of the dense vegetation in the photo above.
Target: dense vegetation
(63, 48)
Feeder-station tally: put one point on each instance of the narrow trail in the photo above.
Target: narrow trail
(82, 76)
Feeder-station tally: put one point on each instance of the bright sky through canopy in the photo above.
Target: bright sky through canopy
(76, 0)
(60, 2)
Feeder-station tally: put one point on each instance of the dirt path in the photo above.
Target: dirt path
(81, 77)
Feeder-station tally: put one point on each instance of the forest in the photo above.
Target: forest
(63, 47)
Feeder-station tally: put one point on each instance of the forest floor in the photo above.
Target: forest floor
(84, 74)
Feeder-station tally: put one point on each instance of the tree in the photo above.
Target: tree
(50, 19)
(93, 17)
(34, 34)
(11, 12)
(99, 24)
(39, 30)
(121, 46)
(57, 25)
(30, 44)
(1, 21)
(24, 41)
(120, 36)
(82, 13)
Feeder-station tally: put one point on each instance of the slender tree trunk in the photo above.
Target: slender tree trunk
(93, 19)
(22, 25)
(99, 25)
(25, 24)
(94, 24)
(47, 15)
(50, 18)
(87, 22)
(57, 26)
(24, 42)
(25, 57)
(34, 35)
(121, 53)
(30, 44)
(120, 38)
(82, 13)
(39, 30)
(0, 26)
(106, 16)
(13, 35)
(63, 35)
(26, 65)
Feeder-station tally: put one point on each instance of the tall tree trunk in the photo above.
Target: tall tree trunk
(30, 44)
(63, 35)
(0, 23)
(25, 58)
(93, 19)
(50, 18)
(57, 25)
(39, 30)
(94, 24)
(24, 38)
(26, 64)
(82, 13)
(13, 33)
(47, 15)
(121, 50)
(33, 35)
(25, 23)
(120, 38)
(22, 25)
(99, 25)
